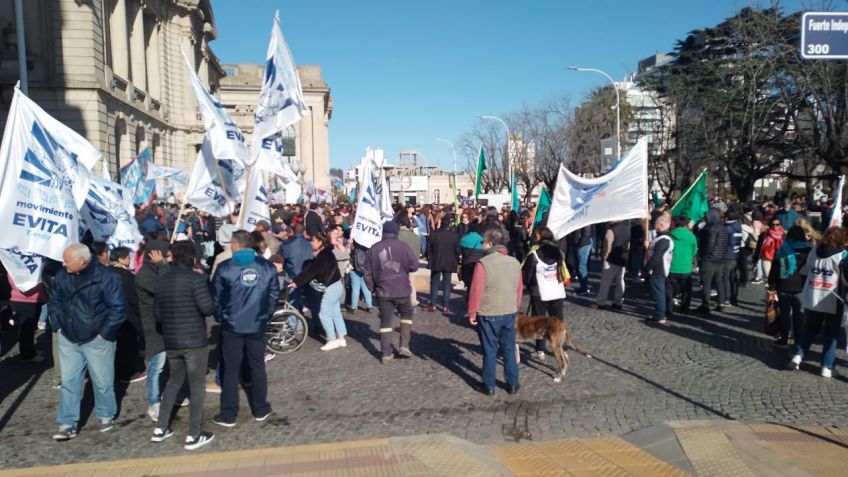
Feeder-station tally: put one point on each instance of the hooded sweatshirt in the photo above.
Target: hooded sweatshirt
(685, 249)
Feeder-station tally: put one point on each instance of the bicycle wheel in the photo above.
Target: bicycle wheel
(286, 331)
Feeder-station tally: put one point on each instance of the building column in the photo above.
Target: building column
(190, 111)
(154, 72)
(203, 69)
(139, 69)
(118, 40)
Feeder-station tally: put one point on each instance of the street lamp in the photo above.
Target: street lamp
(453, 149)
(508, 155)
(617, 106)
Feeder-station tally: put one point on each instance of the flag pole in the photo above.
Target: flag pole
(242, 216)
(689, 189)
(179, 220)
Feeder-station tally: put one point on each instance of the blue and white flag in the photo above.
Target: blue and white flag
(215, 186)
(24, 268)
(836, 214)
(281, 101)
(45, 172)
(155, 172)
(374, 206)
(254, 208)
(224, 136)
(620, 194)
(109, 214)
(271, 158)
(133, 178)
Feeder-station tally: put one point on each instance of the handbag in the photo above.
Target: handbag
(772, 328)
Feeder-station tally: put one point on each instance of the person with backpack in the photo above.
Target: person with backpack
(357, 279)
(658, 267)
(542, 274)
(786, 282)
(729, 277)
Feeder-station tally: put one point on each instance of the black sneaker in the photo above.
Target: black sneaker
(159, 435)
(65, 433)
(222, 422)
(201, 440)
(262, 417)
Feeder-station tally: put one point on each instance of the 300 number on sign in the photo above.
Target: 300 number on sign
(818, 49)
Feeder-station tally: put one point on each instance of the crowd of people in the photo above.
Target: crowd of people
(104, 306)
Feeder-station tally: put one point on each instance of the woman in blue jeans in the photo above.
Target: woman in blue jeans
(323, 275)
(823, 308)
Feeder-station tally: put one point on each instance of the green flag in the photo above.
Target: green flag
(515, 203)
(693, 203)
(543, 207)
(481, 166)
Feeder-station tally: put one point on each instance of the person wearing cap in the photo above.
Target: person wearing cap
(388, 264)
(155, 265)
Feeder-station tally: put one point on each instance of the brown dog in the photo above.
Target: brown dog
(530, 328)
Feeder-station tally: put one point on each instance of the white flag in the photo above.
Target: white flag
(155, 172)
(214, 186)
(25, 269)
(836, 214)
(254, 208)
(108, 213)
(281, 101)
(621, 194)
(371, 209)
(271, 158)
(45, 173)
(225, 137)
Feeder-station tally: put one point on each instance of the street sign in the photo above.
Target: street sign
(824, 35)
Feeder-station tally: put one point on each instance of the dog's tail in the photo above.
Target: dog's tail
(570, 343)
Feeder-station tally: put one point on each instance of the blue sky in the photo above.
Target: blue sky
(403, 72)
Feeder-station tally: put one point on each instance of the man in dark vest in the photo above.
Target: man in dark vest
(493, 301)
(614, 252)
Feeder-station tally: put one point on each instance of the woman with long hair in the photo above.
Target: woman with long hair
(323, 275)
(542, 276)
(822, 305)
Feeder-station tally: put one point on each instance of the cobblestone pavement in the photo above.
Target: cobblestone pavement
(717, 367)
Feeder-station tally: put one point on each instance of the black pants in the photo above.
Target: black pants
(681, 284)
(387, 307)
(790, 315)
(126, 352)
(711, 272)
(185, 365)
(744, 265)
(235, 348)
(26, 317)
(730, 281)
(552, 308)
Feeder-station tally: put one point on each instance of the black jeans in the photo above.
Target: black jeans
(552, 308)
(790, 315)
(730, 281)
(681, 283)
(126, 352)
(446, 285)
(387, 307)
(236, 347)
(26, 317)
(185, 365)
(711, 271)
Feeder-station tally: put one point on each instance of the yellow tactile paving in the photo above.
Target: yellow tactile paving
(710, 452)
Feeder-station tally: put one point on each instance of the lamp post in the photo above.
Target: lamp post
(617, 106)
(453, 150)
(508, 155)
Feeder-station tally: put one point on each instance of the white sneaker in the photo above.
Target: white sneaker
(331, 345)
(153, 412)
(826, 372)
(539, 355)
(342, 342)
(185, 402)
(795, 363)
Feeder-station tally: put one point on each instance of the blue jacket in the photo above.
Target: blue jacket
(734, 240)
(87, 304)
(150, 224)
(296, 252)
(245, 293)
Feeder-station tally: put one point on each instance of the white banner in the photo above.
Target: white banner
(621, 194)
(281, 101)
(155, 172)
(214, 186)
(109, 214)
(836, 214)
(271, 158)
(293, 192)
(255, 207)
(25, 269)
(225, 137)
(45, 173)
(374, 206)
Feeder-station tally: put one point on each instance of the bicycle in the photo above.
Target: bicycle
(287, 329)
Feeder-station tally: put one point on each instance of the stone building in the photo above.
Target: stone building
(112, 70)
(307, 141)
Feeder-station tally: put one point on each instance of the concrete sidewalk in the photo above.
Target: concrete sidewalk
(700, 448)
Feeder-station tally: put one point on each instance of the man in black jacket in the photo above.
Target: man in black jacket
(614, 252)
(182, 304)
(712, 247)
(155, 266)
(443, 256)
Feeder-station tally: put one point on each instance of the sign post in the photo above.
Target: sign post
(824, 36)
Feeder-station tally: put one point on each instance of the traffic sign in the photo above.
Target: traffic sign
(824, 35)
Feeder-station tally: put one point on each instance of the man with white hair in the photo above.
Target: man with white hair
(87, 307)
